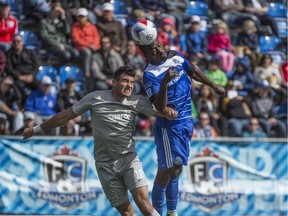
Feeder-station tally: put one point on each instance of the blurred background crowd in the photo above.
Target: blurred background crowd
(53, 52)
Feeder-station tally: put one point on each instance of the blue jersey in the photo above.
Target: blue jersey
(179, 88)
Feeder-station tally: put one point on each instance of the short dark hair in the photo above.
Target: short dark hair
(126, 69)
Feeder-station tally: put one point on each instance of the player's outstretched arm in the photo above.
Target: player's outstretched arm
(168, 113)
(59, 119)
(198, 75)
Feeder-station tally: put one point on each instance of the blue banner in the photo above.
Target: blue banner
(58, 176)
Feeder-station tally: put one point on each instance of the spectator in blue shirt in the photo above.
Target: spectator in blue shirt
(196, 41)
(42, 101)
(243, 79)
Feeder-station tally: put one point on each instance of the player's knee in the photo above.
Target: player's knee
(146, 208)
(177, 171)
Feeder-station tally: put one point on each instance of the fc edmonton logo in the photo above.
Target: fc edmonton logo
(65, 175)
(208, 177)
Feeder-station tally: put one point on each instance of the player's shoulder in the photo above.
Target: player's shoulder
(172, 53)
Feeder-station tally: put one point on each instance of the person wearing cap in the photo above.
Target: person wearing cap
(54, 30)
(113, 119)
(168, 35)
(112, 28)
(29, 121)
(196, 41)
(42, 102)
(23, 65)
(67, 97)
(86, 38)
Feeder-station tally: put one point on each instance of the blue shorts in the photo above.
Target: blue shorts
(173, 144)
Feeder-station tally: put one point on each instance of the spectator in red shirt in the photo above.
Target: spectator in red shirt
(8, 27)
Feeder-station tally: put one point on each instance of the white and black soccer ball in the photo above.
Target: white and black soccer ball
(144, 32)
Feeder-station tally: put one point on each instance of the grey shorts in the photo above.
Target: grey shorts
(117, 178)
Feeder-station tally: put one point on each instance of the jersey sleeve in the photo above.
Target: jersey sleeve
(84, 104)
(146, 107)
(186, 64)
(151, 85)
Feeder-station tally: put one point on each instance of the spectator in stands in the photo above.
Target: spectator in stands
(108, 60)
(69, 129)
(168, 35)
(231, 11)
(112, 28)
(177, 9)
(37, 9)
(219, 44)
(254, 130)
(262, 106)
(154, 10)
(284, 71)
(68, 97)
(236, 109)
(22, 64)
(203, 128)
(248, 39)
(8, 26)
(137, 15)
(215, 74)
(206, 101)
(86, 38)
(243, 79)
(42, 102)
(54, 31)
(259, 8)
(4, 125)
(137, 62)
(143, 128)
(268, 70)
(29, 121)
(196, 41)
(2, 63)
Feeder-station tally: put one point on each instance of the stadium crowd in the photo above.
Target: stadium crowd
(95, 36)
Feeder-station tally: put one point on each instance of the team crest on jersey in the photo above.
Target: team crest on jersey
(64, 181)
(208, 175)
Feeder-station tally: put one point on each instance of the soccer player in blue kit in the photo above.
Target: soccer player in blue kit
(167, 82)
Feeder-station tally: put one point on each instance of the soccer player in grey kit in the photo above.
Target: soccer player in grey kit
(113, 116)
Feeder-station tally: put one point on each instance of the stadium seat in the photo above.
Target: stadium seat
(31, 41)
(279, 12)
(74, 72)
(52, 73)
(197, 8)
(268, 43)
(15, 7)
(120, 7)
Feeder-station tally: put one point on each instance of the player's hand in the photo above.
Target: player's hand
(169, 75)
(28, 132)
(220, 90)
(170, 113)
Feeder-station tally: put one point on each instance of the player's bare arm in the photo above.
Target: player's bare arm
(197, 74)
(160, 101)
(59, 119)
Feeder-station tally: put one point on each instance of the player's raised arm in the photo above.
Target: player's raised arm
(59, 119)
(197, 74)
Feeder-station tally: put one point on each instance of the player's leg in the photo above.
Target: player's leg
(140, 196)
(125, 209)
(115, 189)
(172, 191)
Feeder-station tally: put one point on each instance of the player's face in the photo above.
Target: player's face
(124, 85)
(155, 52)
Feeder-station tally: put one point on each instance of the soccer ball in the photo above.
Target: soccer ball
(144, 32)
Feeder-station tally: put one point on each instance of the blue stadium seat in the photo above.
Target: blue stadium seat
(197, 8)
(74, 72)
(31, 41)
(120, 7)
(183, 42)
(46, 70)
(277, 10)
(268, 43)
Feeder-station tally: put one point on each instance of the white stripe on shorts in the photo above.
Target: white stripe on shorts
(167, 148)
